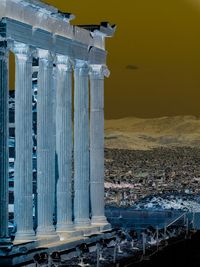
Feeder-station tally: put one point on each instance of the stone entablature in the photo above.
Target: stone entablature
(42, 16)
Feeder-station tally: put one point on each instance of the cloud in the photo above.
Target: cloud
(132, 67)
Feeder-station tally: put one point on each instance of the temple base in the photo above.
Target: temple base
(46, 232)
(66, 231)
(23, 253)
(5, 246)
(65, 227)
(66, 235)
(25, 236)
(101, 222)
(82, 223)
(89, 231)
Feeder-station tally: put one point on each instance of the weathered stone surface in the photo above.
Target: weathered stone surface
(97, 144)
(45, 146)
(24, 143)
(81, 145)
(64, 144)
(3, 143)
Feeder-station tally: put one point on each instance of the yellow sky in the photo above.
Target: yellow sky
(162, 38)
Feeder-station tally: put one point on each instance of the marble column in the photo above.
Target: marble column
(54, 167)
(81, 145)
(64, 144)
(97, 143)
(3, 144)
(23, 188)
(45, 146)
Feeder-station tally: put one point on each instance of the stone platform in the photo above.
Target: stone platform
(22, 253)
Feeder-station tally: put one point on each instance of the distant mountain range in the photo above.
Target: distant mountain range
(142, 134)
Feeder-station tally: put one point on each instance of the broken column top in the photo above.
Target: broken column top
(103, 29)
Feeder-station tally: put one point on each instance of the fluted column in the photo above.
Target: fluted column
(3, 144)
(54, 167)
(45, 146)
(97, 74)
(64, 144)
(23, 134)
(81, 145)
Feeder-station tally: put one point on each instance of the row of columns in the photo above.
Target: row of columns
(88, 144)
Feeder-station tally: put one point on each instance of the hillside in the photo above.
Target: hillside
(142, 134)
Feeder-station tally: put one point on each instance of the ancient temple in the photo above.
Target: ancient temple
(71, 140)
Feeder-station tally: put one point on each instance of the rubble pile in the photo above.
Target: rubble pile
(132, 175)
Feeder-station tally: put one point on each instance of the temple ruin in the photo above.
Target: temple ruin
(70, 58)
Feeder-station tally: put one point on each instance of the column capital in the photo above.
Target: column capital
(22, 51)
(45, 55)
(99, 71)
(81, 67)
(64, 63)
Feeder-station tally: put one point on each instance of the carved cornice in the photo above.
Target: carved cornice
(46, 17)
